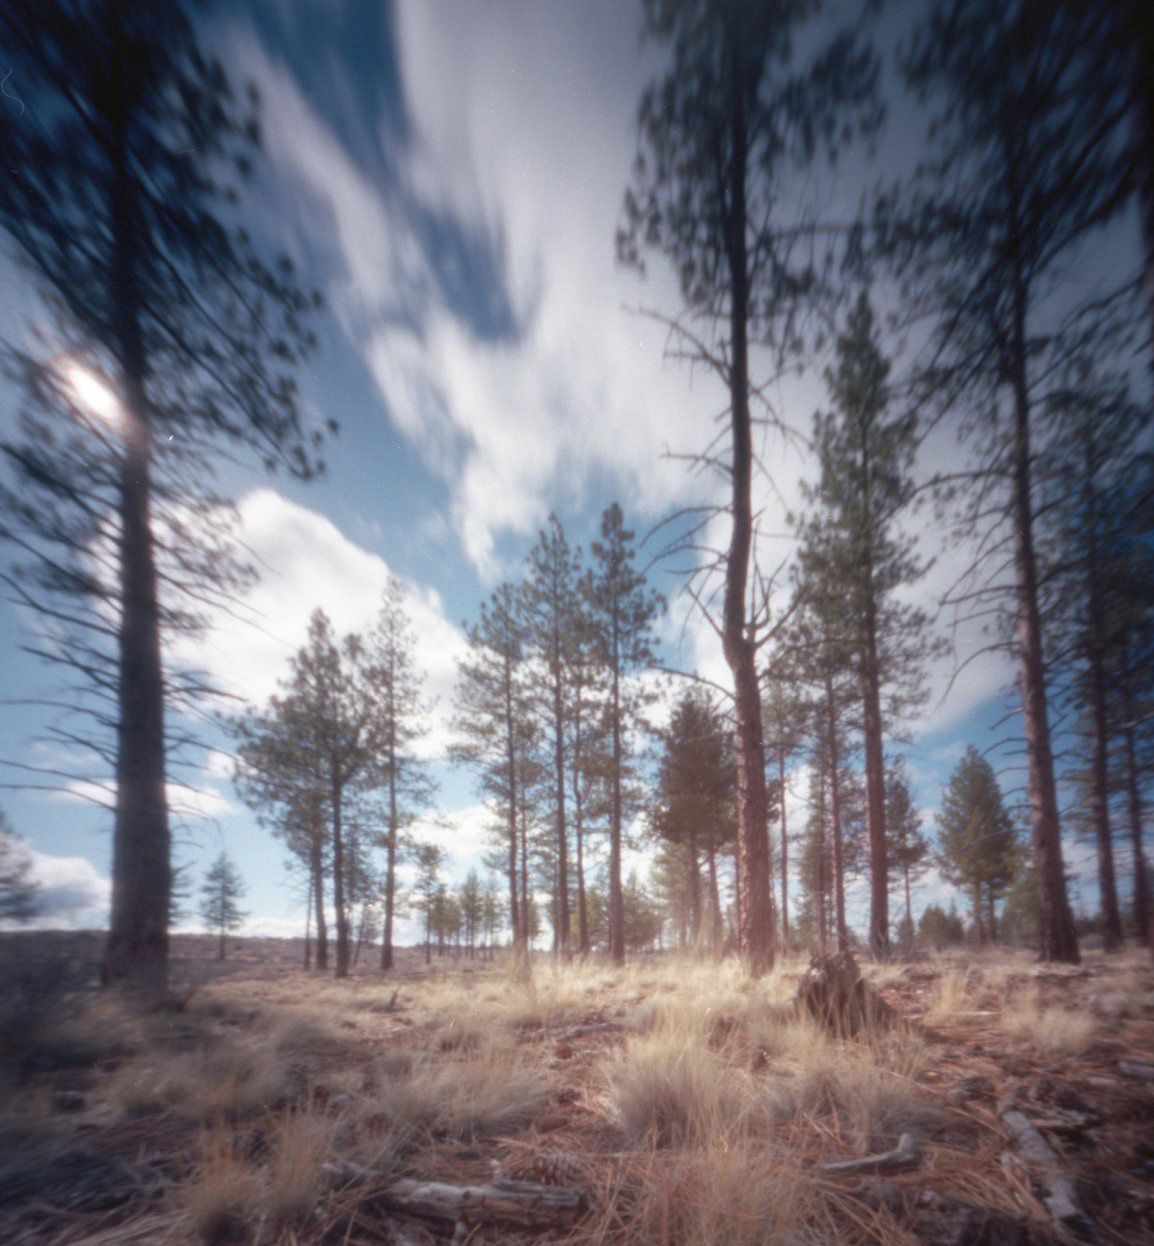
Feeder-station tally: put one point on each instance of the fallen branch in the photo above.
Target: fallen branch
(907, 1154)
(1059, 1193)
(522, 1203)
(578, 1031)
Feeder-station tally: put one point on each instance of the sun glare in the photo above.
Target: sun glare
(92, 394)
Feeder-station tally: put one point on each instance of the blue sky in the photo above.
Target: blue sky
(450, 175)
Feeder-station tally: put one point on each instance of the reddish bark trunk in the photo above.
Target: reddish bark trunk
(835, 819)
(136, 953)
(755, 929)
(1057, 937)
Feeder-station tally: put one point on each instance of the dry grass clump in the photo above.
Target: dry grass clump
(224, 1189)
(1052, 1031)
(477, 1092)
(668, 1091)
(275, 1182)
(953, 997)
(725, 1193)
(302, 1144)
(229, 1082)
(856, 1102)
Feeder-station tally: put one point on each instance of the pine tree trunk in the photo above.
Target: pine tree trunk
(694, 888)
(342, 965)
(526, 925)
(308, 964)
(390, 856)
(822, 927)
(755, 931)
(1142, 27)
(714, 901)
(136, 953)
(835, 819)
(909, 940)
(879, 932)
(1142, 914)
(561, 931)
(1096, 673)
(579, 832)
(784, 857)
(616, 896)
(1057, 937)
(519, 938)
(979, 923)
(220, 949)
(319, 898)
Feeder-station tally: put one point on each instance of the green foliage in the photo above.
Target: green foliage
(940, 929)
(17, 886)
(220, 894)
(976, 841)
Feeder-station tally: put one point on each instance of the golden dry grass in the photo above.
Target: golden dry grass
(703, 1113)
(1050, 1030)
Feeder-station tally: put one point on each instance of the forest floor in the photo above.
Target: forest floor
(672, 1102)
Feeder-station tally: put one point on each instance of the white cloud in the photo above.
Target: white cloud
(528, 157)
(307, 562)
(72, 895)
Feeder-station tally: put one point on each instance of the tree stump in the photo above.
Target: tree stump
(839, 999)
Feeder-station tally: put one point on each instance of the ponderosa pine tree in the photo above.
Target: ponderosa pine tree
(976, 843)
(730, 114)
(400, 710)
(1098, 562)
(220, 896)
(695, 805)
(427, 888)
(622, 611)
(1029, 160)
(169, 337)
(785, 714)
(312, 750)
(908, 850)
(494, 730)
(549, 606)
(854, 562)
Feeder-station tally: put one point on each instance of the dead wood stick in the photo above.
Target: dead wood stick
(1059, 1194)
(522, 1203)
(907, 1154)
(599, 1027)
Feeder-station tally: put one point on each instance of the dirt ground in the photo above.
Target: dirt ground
(686, 1104)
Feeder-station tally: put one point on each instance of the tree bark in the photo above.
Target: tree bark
(714, 901)
(319, 897)
(342, 965)
(515, 915)
(616, 896)
(1134, 809)
(879, 933)
(835, 819)
(1099, 718)
(694, 889)
(784, 856)
(909, 939)
(391, 853)
(1100, 810)
(136, 953)
(1057, 937)
(561, 934)
(1143, 23)
(755, 930)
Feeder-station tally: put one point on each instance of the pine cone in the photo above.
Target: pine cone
(544, 1167)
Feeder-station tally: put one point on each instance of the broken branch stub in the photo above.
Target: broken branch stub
(838, 998)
